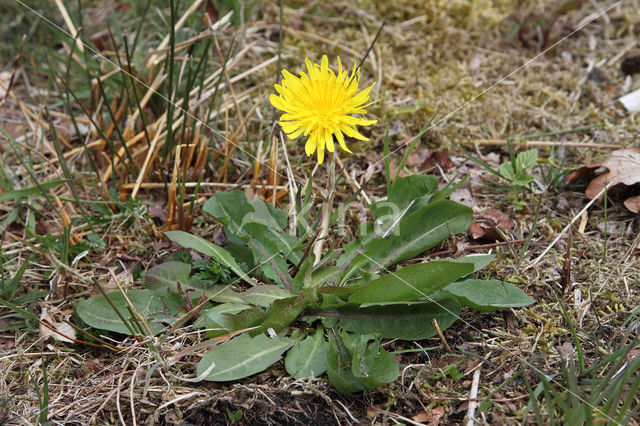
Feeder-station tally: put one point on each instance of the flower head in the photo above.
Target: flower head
(319, 104)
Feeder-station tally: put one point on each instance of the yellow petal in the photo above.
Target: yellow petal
(310, 146)
(340, 138)
(320, 151)
(328, 137)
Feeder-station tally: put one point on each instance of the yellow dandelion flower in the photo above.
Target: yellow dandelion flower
(319, 104)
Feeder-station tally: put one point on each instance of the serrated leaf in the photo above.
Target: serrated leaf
(506, 170)
(401, 321)
(205, 247)
(488, 295)
(98, 313)
(308, 357)
(526, 159)
(411, 282)
(243, 356)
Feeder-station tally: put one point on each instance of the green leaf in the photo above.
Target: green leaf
(488, 295)
(308, 357)
(270, 248)
(233, 209)
(373, 364)
(265, 295)
(417, 232)
(479, 261)
(402, 321)
(523, 179)
(275, 240)
(285, 311)
(339, 369)
(266, 213)
(167, 275)
(453, 372)
(214, 314)
(243, 356)
(526, 160)
(31, 191)
(414, 188)
(227, 207)
(98, 313)
(506, 170)
(411, 282)
(205, 247)
(325, 276)
(221, 294)
(354, 364)
(219, 324)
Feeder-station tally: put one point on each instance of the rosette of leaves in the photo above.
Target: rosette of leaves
(330, 315)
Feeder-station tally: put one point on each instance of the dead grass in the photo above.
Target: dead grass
(449, 57)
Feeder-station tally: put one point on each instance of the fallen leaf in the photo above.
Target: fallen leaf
(63, 331)
(6, 343)
(623, 168)
(566, 350)
(158, 210)
(464, 196)
(440, 158)
(372, 412)
(612, 228)
(431, 417)
(633, 203)
(483, 228)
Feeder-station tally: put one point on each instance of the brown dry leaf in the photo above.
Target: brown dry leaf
(566, 350)
(372, 412)
(633, 203)
(431, 417)
(64, 332)
(440, 158)
(483, 228)
(624, 168)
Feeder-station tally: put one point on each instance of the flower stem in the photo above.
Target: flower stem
(326, 209)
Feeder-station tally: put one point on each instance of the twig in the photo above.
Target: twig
(154, 185)
(546, 143)
(473, 395)
(442, 339)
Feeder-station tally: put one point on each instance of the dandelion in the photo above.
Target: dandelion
(319, 105)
